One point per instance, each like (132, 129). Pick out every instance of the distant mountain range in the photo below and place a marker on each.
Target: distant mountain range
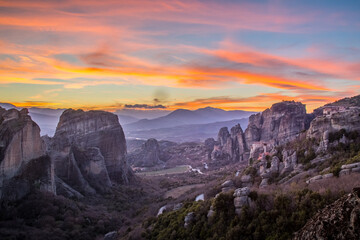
(186, 133)
(142, 114)
(187, 117)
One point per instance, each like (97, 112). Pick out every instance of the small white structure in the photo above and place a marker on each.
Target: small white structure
(200, 197)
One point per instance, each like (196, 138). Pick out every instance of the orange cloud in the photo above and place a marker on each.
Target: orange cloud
(255, 103)
(34, 104)
(238, 15)
(245, 54)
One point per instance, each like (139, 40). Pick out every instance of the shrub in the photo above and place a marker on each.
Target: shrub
(275, 217)
(335, 170)
(250, 171)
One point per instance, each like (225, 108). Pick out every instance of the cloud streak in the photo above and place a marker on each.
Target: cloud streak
(302, 51)
(145, 106)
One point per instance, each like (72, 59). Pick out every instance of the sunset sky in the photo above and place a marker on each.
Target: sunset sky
(178, 54)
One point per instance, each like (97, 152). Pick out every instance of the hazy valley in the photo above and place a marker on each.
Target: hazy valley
(87, 180)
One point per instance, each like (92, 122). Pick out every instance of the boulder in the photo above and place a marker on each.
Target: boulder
(241, 199)
(228, 183)
(189, 218)
(245, 191)
(227, 186)
(239, 202)
(352, 165)
(111, 235)
(177, 206)
(264, 183)
(246, 179)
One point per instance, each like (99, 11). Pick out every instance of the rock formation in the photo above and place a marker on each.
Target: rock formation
(23, 164)
(241, 199)
(89, 151)
(279, 124)
(148, 156)
(334, 119)
(340, 220)
(227, 186)
(229, 147)
(209, 147)
(272, 140)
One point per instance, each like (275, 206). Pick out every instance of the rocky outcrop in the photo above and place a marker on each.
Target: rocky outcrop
(148, 156)
(189, 219)
(227, 186)
(319, 177)
(279, 124)
(289, 160)
(89, 151)
(209, 147)
(334, 119)
(340, 220)
(241, 199)
(230, 147)
(23, 164)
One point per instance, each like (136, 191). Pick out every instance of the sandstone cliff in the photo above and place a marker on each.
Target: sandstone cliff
(23, 164)
(334, 118)
(89, 150)
(279, 124)
(229, 146)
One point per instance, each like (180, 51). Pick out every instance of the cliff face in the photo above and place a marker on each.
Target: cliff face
(89, 150)
(335, 118)
(20, 145)
(340, 220)
(279, 124)
(229, 146)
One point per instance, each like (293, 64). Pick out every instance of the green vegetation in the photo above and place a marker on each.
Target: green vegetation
(45, 216)
(175, 170)
(250, 171)
(272, 216)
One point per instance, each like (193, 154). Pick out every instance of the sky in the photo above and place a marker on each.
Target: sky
(165, 55)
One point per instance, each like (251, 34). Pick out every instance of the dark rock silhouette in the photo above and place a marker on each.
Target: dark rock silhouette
(148, 156)
(23, 162)
(89, 151)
